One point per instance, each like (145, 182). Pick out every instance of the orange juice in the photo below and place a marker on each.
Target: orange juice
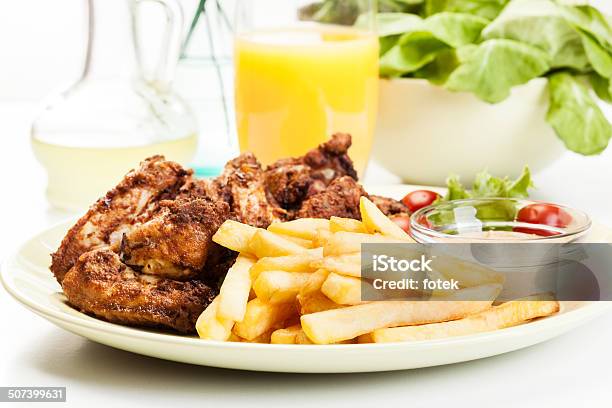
(295, 87)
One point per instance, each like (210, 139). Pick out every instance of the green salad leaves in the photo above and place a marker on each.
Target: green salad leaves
(487, 47)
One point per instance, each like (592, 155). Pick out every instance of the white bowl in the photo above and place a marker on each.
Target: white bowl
(425, 132)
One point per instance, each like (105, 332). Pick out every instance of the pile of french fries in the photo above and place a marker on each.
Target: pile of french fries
(299, 282)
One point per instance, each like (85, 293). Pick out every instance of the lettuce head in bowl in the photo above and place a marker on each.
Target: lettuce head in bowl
(487, 83)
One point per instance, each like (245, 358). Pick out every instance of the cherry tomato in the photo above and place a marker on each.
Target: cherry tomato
(419, 199)
(545, 214)
(403, 221)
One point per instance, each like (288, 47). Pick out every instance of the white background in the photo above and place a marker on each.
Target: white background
(39, 42)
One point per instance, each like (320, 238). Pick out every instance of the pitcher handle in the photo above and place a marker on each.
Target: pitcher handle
(170, 51)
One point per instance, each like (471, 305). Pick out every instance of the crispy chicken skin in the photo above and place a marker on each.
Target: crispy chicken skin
(242, 183)
(390, 206)
(114, 213)
(290, 181)
(100, 284)
(175, 243)
(340, 199)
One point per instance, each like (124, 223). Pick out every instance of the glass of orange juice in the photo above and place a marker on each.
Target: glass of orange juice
(304, 71)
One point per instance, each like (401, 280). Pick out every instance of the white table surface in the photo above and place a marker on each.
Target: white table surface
(573, 370)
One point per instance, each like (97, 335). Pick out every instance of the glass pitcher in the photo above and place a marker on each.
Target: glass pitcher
(120, 111)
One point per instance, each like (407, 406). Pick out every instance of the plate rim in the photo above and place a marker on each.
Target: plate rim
(583, 313)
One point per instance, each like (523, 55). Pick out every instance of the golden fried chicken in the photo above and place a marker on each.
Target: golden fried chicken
(291, 181)
(175, 242)
(100, 284)
(340, 199)
(112, 215)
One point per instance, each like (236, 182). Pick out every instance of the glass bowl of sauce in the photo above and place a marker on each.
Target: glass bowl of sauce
(498, 220)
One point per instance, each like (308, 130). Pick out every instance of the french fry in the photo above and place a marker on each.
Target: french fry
(310, 298)
(498, 317)
(302, 338)
(279, 286)
(234, 292)
(340, 243)
(346, 224)
(344, 290)
(337, 325)
(265, 243)
(321, 238)
(234, 338)
(290, 263)
(305, 228)
(468, 274)
(365, 338)
(261, 317)
(314, 282)
(376, 221)
(235, 236)
(264, 338)
(347, 264)
(286, 336)
(211, 327)
(315, 303)
(306, 243)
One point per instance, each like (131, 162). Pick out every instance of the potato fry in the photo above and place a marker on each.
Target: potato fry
(261, 317)
(376, 221)
(344, 290)
(347, 264)
(264, 338)
(468, 274)
(498, 317)
(289, 263)
(315, 303)
(346, 224)
(279, 286)
(265, 243)
(287, 335)
(302, 338)
(340, 243)
(211, 327)
(321, 239)
(336, 325)
(306, 243)
(235, 236)
(305, 228)
(234, 338)
(234, 293)
(314, 283)
(365, 338)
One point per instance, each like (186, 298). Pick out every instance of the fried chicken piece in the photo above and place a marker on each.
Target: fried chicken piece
(176, 242)
(242, 183)
(101, 285)
(113, 214)
(389, 206)
(340, 199)
(291, 181)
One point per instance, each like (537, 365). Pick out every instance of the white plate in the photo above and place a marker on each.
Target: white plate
(27, 279)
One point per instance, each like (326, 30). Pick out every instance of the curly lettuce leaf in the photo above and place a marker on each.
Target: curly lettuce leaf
(488, 9)
(455, 29)
(495, 66)
(540, 23)
(412, 51)
(575, 116)
(602, 86)
(590, 20)
(600, 59)
(438, 71)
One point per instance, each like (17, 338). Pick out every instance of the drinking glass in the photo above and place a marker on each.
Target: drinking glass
(304, 71)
